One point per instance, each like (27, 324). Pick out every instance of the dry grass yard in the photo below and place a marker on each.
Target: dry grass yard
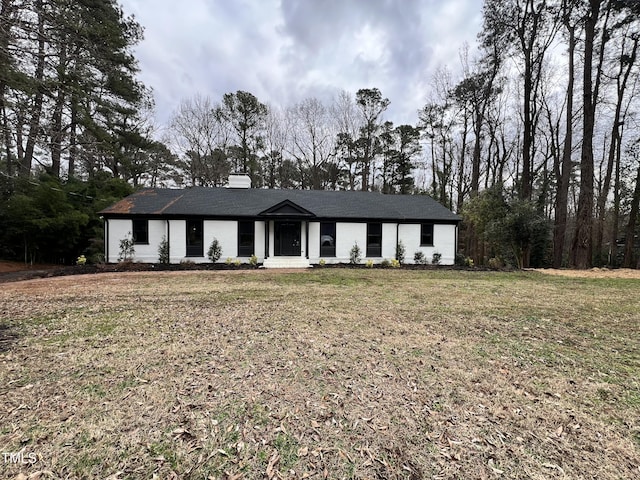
(328, 373)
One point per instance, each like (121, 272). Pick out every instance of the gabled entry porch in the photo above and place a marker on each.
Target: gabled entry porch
(286, 236)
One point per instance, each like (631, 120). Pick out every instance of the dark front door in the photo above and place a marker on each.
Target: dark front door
(288, 239)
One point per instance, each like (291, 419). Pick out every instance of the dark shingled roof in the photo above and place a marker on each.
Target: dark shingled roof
(238, 202)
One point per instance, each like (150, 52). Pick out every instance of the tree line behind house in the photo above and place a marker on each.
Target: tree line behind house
(534, 142)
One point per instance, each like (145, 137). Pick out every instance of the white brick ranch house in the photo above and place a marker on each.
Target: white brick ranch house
(280, 227)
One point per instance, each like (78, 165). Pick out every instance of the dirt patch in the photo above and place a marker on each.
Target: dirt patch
(7, 266)
(592, 273)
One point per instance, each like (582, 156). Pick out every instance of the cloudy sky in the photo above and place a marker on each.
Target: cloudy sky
(285, 50)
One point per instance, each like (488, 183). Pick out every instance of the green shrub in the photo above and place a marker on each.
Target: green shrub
(495, 263)
(400, 251)
(253, 260)
(97, 258)
(395, 263)
(163, 251)
(419, 258)
(369, 263)
(385, 263)
(435, 258)
(355, 254)
(322, 262)
(215, 251)
(463, 261)
(127, 249)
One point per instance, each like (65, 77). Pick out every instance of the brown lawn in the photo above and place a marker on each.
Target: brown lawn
(320, 374)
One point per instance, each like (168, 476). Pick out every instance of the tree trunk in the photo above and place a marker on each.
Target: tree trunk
(366, 161)
(527, 138)
(616, 140)
(5, 14)
(36, 110)
(631, 225)
(57, 134)
(475, 159)
(443, 180)
(73, 147)
(563, 172)
(434, 168)
(582, 246)
(463, 155)
(8, 144)
(613, 245)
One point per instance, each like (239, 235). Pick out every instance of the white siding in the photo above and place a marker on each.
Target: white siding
(389, 240)
(347, 234)
(259, 242)
(177, 240)
(303, 240)
(226, 232)
(410, 236)
(118, 230)
(149, 253)
(314, 241)
(444, 239)
(444, 242)
(272, 239)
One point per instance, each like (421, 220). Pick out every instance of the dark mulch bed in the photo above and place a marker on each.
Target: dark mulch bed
(158, 267)
(114, 267)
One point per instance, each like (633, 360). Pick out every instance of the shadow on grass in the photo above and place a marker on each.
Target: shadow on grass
(8, 337)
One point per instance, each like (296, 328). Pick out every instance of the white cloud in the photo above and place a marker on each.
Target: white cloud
(283, 51)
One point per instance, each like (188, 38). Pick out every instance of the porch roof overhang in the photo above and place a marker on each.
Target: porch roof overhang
(286, 210)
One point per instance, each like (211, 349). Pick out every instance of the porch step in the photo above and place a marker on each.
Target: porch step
(286, 262)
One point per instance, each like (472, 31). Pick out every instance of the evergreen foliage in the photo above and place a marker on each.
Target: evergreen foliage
(46, 220)
(163, 251)
(400, 251)
(127, 249)
(215, 251)
(355, 254)
(419, 258)
(510, 228)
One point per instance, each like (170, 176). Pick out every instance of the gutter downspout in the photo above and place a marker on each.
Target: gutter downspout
(106, 240)
(455, 250)
(169, 240)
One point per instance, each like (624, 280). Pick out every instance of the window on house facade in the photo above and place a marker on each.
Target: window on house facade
(195, 241)
(374, 239)
(426, 235)
(140, 231)
(328, 239)
(246, 239)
